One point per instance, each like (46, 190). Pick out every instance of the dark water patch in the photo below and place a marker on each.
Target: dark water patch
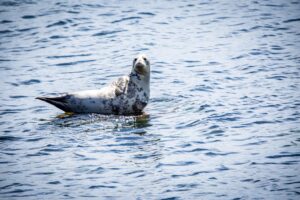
(277, 77)
(95, 5)
(9, 3)
(74, 63)
(58, 149)
(276, 47)
(287, 163)
(107, 14)
(59, 23)
(102, 186)
(68, 56)
(5, 31)
(17, 191)
(206, 14)
(10, 186)
(26, 29)
(5, 21)
(17, 96)
(134, 172)
(42, 173)
(103, 33)
(170, 198)
(58, 37)
(191, 61)
(35, 139)
(292, 20)
(11, 111)
(125, 19)
(37, 154)
(146, 13)
(54, 182)
(73, 12)
(250, 180)
(284, 155)
(30, 82)
(255, 143)
(202, 88)
(28, 17)
(213, 154)
(229, 117)
(191, 150)
(4, 138)
(98, 170)
(216, 132)
(179, 163)
(189, 124)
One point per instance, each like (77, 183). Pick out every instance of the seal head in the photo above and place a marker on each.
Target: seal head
(141, 65)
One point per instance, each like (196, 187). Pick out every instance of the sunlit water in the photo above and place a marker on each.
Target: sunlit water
(222, 123)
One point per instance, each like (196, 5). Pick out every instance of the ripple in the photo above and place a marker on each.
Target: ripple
(59, 23)
(4, 138)
(125, 19)
(103, 33)
(28, 17)
(30, 82)
(292, 20)
(5, 32)
(284, 155)
(74, 63)
(68, 56)
(5, 21)
(146, 13)
(102, 186)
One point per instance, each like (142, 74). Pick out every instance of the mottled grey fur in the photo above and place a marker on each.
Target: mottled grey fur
(127, 95)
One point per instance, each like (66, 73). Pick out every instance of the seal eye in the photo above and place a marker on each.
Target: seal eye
(134, 60)
(145, 59)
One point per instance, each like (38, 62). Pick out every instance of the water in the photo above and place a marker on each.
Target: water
(223, 121)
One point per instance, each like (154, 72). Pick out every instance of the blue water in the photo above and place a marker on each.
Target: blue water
(222, 123)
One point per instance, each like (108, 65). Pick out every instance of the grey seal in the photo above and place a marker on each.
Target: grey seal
(128, 95)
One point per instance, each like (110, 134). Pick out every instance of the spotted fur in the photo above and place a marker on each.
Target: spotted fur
(127, 95)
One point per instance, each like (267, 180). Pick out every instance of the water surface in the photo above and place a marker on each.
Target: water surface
(223, 121)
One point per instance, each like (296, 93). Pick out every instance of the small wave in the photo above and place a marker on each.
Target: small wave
(59, 23)
(102, 186)
(125, 19)
(292, 20)
(5, 21)
(284, 155)
(26, 29)
(30, 82)
(57, 37)
(146, 13)
(68, 56)
(17, 96)
(5, 31)
(28, 17)
(102, 33)
(54, 182)
(74, 63)
(8, 138)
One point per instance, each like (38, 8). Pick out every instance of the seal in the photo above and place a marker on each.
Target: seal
(128, 95)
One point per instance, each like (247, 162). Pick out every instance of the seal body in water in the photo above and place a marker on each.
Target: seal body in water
(128, 95)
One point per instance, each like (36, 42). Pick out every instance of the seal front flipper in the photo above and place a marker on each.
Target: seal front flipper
(60, 102)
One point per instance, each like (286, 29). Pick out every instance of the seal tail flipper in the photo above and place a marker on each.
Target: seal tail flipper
(59, 102)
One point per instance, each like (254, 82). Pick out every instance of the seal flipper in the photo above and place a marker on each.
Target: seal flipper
(59, 102)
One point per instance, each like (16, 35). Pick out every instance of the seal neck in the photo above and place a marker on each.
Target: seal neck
(141, 80)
